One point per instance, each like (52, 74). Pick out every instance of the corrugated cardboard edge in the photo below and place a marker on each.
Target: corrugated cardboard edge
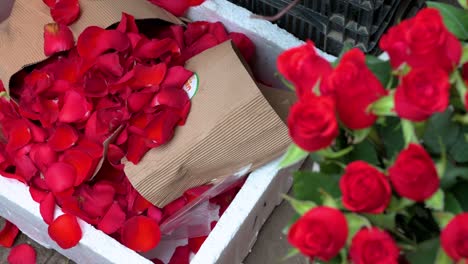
(21, 35)
(250, 134)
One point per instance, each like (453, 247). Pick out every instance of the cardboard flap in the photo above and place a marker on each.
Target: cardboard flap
(230, 126)
(280, 100)
(21, 35)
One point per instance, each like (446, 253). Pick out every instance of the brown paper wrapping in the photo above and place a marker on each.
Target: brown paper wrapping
(231, 125)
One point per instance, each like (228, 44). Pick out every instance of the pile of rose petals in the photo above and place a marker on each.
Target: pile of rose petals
(74, 117)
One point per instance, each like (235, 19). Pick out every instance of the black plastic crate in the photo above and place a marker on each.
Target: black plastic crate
(331, 23)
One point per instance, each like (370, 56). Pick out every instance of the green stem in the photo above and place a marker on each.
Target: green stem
(460, 85)
(409, 132)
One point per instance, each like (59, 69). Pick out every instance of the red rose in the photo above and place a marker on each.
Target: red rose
(365, 189)
(422, 92)
(319, 233)
(422, 41)
(312, 122)
(454, 237)
(304, 67)
(355, 88)
(413, 175)
(372, 245)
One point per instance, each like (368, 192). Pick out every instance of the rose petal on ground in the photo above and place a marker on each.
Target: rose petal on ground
(127, 24)
(75, 107)
(36, 194)
(22, 254)
(47, 208)
(64, 137)
(113, 220)
(82, 162)
(8, 234)
(141, 233)
(146, 76)
(57, 38)
(155, 213)
(19, 135)
(110, 63)
(65, 231)
(176, 77)
(138, 100)
(65, 11)
(136, 148)
(94, 41)
(60, 176)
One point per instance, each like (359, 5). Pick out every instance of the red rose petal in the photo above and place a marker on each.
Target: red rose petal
(64, 137)
(22, 254)
(8, 234)
(113, 220)
(171, 97)
(161, 129)
(60, 176)
(75, 107)
(43, 155)
(218, 31)
(19, 135)
(115, 154)
(181, 255)
(195, 243)
(49, 110)
(38, 133)
(110, 63)
(93, 149)
(36, 194)
(66, 231)
(196, 2)
(13, 176)
(174, 206)
(94, 41)
(57, 38)
(140, 204)
(176, 77)
(194, 193)
(141, 233)
(49, 3)
(47, 208)
(136, 148)
(127, 24)
(138, 101)
(95, 86)
(155, 213)
(146, 76)
(153, 49)
(25, 167)
(65, 11)
(82, 162)
(97, 200)
(70, 205)
(244, 44)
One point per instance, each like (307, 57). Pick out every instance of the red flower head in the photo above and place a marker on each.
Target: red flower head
(422, 92)
(319, 233)
(454, 237)
(365, 189)
(413, 175)
(422, 41)
(312, 122)
(372, 245)
(355, 87)
(304, 68)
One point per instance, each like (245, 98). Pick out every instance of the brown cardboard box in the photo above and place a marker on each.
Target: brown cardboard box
(231, 125)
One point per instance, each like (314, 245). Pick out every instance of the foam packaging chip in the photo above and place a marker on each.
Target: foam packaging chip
(236, 231)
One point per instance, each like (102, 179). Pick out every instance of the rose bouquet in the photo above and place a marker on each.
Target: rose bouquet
(390, 137)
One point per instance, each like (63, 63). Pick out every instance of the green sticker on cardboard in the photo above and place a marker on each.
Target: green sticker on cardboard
(191, 86)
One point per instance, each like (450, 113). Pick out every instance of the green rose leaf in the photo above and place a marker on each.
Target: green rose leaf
(381, 69)
(458, 150)
(355, 223)
(426, 252)
(443, 218)
(436, 202)
(455, 19)
(301, 207)
(463, 3)
(310, 186)
(293, 155)
(384, 221)
(360, 135)
(452, 205)
(391, 136)
(440, 126)
(291, 253)
(442, 258)
(384, 106)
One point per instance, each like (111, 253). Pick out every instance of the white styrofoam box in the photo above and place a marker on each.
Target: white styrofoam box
(236, 231)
